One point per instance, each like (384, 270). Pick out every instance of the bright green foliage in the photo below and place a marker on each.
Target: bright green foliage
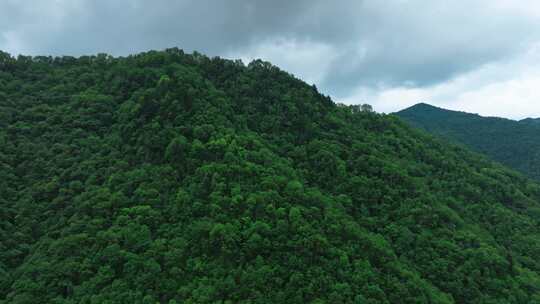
(172, 178)
(515, 144)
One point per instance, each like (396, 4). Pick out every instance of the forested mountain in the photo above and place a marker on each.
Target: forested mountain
(513, 143)
(530, 120)
(167, 177)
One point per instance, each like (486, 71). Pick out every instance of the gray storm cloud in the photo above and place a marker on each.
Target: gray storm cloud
(341, 45)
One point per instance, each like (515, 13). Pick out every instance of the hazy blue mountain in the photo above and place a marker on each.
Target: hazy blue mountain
(530, 120)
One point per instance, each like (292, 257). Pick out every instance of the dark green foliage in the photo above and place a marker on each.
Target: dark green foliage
(515, 144)
(172, 178)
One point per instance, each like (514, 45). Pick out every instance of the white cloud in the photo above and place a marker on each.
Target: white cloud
(308, 60)
(473, 55)
(504, 89)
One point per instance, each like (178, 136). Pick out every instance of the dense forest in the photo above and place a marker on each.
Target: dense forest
(167, 177)
(513, 143)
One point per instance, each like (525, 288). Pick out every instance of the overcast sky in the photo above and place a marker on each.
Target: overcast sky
(480, 56)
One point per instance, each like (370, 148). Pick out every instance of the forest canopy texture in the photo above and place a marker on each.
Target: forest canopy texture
(167, 177)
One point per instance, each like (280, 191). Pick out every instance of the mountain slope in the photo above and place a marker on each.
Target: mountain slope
(513, 143)
(530, 121)
(173, 178)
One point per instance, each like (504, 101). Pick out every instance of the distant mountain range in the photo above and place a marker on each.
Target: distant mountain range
(513, 143)
(531, 120)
